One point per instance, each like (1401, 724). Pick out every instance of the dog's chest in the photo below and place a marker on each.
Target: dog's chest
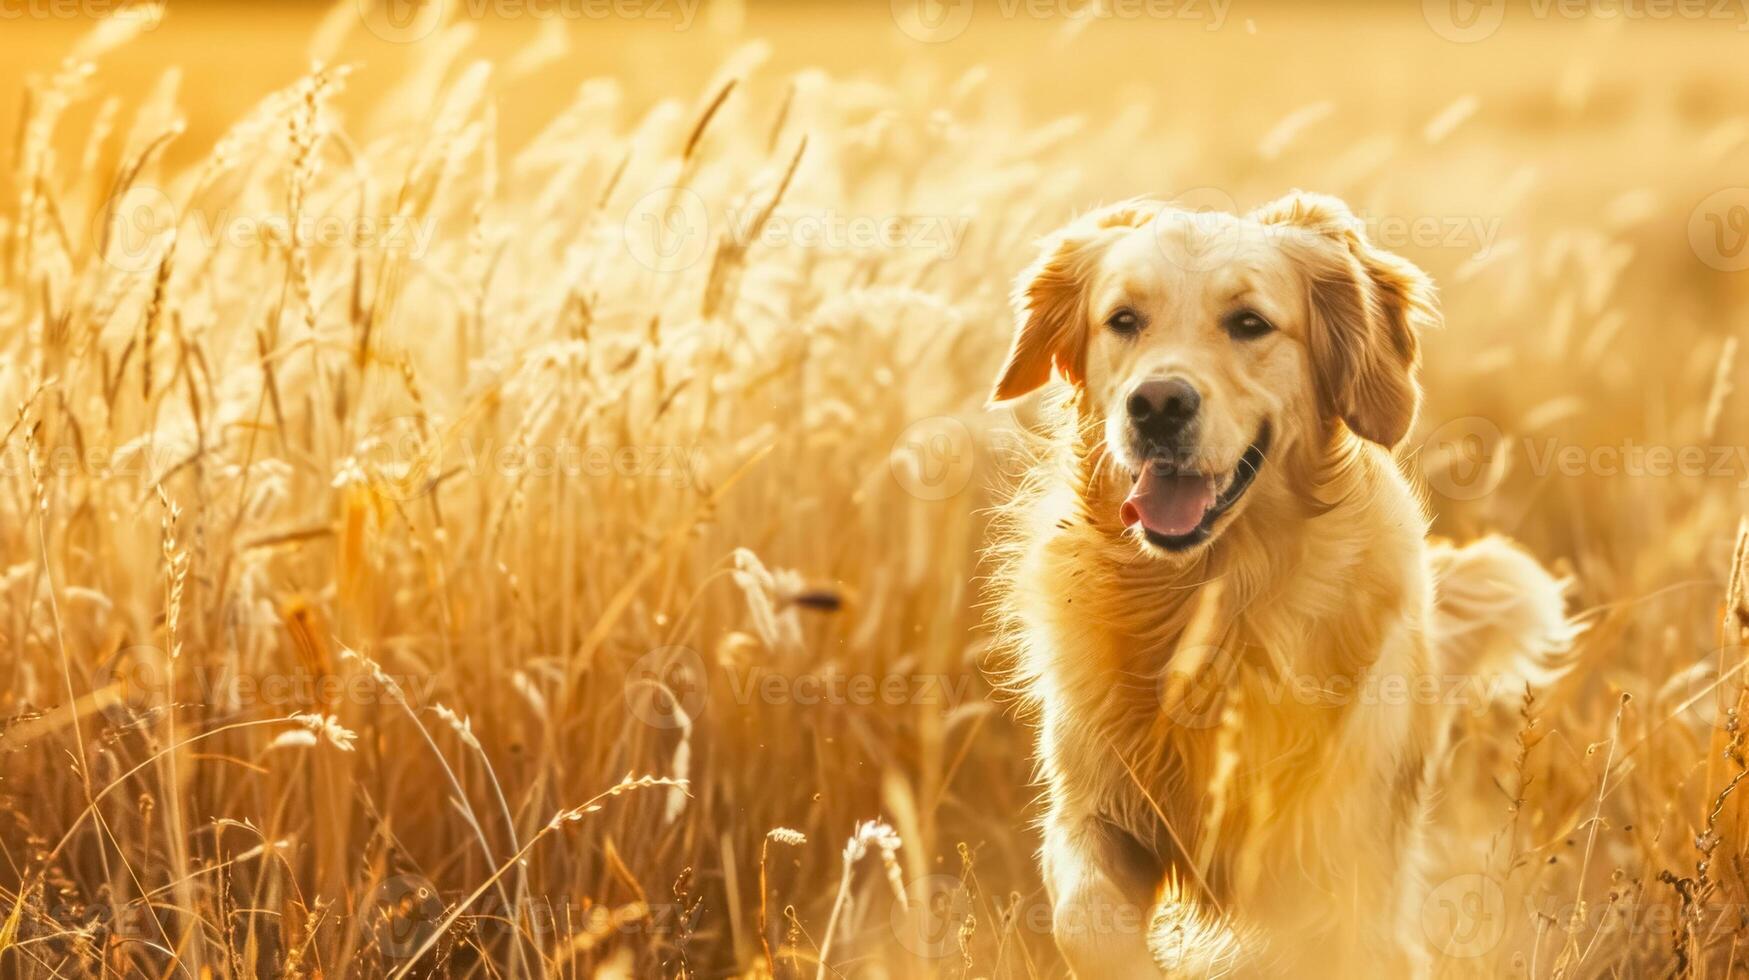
(1231, 757)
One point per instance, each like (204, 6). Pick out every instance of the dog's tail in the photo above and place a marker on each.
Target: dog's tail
(1499, 617)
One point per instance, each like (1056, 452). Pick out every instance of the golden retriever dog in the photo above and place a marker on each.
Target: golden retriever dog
(1221, 599)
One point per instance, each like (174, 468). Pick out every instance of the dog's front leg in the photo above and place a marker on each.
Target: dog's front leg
(1099, 900)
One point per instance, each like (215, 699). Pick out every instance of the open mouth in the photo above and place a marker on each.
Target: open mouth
(1176, 508)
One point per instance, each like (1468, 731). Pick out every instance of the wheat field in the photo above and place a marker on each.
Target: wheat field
(502, 490)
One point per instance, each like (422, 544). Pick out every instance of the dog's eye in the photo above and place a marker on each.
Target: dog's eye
(1124, 321)
(1246, 325)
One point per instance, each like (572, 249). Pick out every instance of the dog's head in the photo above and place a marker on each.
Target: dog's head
(1205, 346)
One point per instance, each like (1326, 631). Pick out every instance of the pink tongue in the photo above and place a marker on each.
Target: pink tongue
(1167, 505)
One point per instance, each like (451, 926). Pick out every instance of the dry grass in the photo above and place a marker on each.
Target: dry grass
(451, 599)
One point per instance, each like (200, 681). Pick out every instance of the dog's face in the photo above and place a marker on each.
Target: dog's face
(1194, 364)
(1205, 345)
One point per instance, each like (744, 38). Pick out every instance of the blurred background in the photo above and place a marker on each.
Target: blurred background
(500, 487)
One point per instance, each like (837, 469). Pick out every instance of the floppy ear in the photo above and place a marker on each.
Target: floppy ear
(1050, 302)
(1368, 308)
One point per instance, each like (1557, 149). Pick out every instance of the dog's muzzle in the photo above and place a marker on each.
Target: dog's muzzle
(1175, 505)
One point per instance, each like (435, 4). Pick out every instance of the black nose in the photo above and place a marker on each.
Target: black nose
(1163, 406)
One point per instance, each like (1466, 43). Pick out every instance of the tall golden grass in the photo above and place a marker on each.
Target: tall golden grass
(461, 523)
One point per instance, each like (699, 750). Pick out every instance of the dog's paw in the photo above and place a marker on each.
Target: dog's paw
(1187, 940)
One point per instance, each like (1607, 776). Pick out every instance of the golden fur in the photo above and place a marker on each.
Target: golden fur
(1235, 781)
